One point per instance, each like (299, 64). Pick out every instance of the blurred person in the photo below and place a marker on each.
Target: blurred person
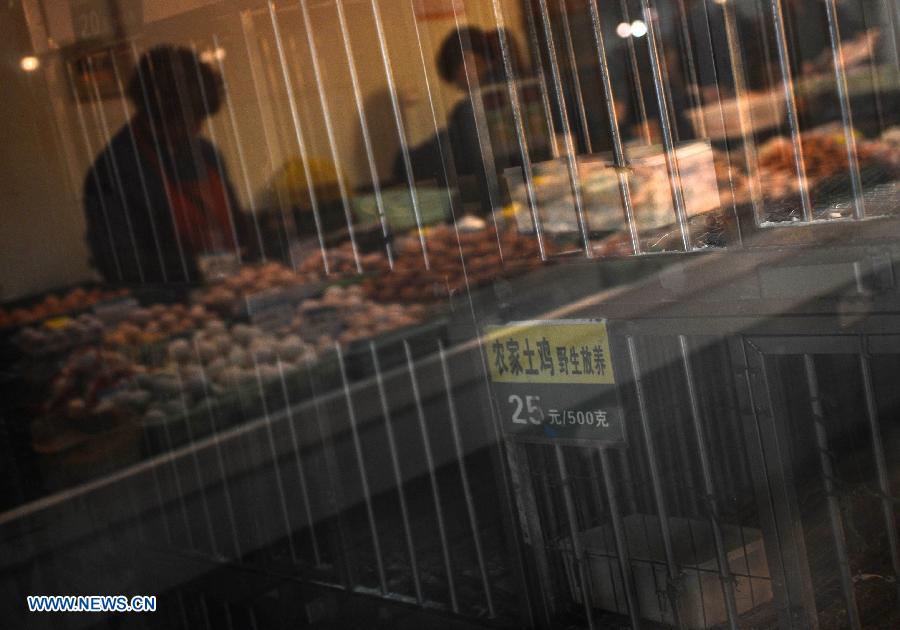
(464, 48)
(502, 43)
(158, 198)
(480, 138)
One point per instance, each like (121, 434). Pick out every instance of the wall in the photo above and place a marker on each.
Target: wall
(41, 231)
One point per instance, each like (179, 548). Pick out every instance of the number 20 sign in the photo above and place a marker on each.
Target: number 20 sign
(553, 381)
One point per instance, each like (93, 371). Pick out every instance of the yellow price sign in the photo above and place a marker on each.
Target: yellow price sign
(552, 352)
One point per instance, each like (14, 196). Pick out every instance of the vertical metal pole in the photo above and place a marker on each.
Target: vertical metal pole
(522, 480)
(272, 120)
(145, 94)
(725, 577)
(748, 143)
(304, 489)
(576, 80)
(577, 550)
(401, 131)
(542, 78)
(687, 51)
(97, 108)
(771, 469)
(665, 122)
(636, 72)
(120, 87)
(273, 449)
(840, 76)
(220, 167)
(432, 476)
(329, 126)
(834, 506)
(361, 465)
(247, 23)
(220, 460)
(621, 163)
(464, 479)
(674, 576)
(82, 123)
(364, 128)
(884, 482)
(176, 476)
(615, 514)
(398, 475)
(515, 103)
(195, 459)
(571, 160)
(482, 131)
(335, 497)
(790, 99)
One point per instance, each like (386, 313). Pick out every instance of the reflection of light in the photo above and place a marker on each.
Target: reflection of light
(623, 30)
(30, 63)
(720, 1)
(212, 55)
(638, 28)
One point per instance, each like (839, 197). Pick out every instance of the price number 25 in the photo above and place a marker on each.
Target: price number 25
(527, 410)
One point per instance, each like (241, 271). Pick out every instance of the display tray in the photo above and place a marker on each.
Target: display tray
(69, 456)
(256, 398)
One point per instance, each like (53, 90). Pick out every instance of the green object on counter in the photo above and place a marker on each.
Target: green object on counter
(433, 203)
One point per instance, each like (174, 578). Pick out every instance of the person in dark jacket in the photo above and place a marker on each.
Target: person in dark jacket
(158, 197)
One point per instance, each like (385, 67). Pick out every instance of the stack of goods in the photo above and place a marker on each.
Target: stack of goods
(147, 326)
(215, 362)
(342, 261)
(824, 159)
(59, 335)
(410, 281)
(83, 393)
(887, 148)
(344, 315)
(97, 386)
(56, 305)
(228, 296)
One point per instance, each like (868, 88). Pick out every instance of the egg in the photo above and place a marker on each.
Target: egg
(207, 351)
(230, 376)
(263, 351)
(223, 344)
(215, 367)
(291, 347)
(238, 356)
(242, 333)
(180, 351)
(269, 373)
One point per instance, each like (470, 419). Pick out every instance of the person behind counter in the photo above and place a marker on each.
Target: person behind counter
(472, 60)
(158, 197)
(465, 48)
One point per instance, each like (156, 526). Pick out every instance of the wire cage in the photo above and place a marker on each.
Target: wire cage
(716, 180)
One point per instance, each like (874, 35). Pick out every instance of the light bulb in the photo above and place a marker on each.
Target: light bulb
(623, 30)
(213, 55)
(638, 28)
(29, 63)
